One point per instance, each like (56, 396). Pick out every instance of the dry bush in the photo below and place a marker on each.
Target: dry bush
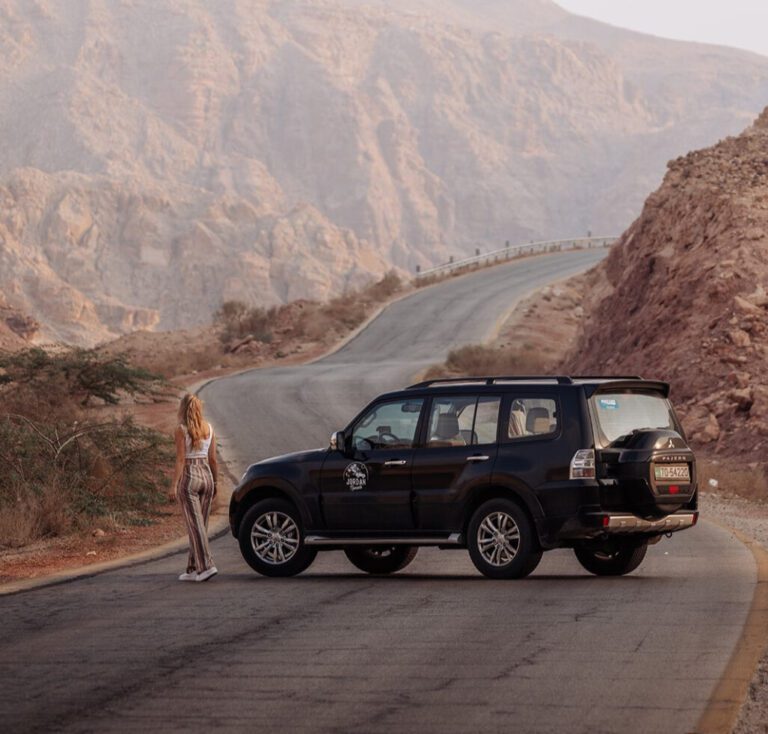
(60, 477)
(321, 321)
(63, 466)
(385, 288)
(734, 479)
(315, 324)
(31, 517)
(236, 320)
(478, 360)
(348, 310)
(171, 363)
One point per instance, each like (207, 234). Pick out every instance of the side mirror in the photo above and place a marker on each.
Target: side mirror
(338, 441)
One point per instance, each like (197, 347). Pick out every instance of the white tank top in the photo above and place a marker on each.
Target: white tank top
(202, 452)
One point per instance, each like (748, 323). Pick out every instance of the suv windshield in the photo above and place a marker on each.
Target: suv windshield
(619, 414)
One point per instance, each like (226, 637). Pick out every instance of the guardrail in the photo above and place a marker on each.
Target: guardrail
(512, 251)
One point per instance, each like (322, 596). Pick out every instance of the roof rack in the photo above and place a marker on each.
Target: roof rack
(560, 379)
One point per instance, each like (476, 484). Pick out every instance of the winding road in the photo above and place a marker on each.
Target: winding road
(436, 648)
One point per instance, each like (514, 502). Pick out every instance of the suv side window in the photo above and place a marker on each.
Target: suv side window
(532, 417)
(389, 425)
(463, 420)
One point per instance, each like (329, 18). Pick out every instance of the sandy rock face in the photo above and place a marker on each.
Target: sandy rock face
(160, 156)
(688, 300)
(17, 329)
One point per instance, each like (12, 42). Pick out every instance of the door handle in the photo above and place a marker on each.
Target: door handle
(395, 462)
(477, 457)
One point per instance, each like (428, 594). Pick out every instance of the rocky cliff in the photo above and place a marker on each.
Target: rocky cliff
(160, 156)
(684, 295)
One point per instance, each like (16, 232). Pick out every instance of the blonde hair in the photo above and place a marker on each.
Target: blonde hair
(191, 417)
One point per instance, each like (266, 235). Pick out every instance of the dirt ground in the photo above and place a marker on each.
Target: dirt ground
(59, 554)
(546, 322)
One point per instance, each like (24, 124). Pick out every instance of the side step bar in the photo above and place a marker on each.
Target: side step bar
(453, 539)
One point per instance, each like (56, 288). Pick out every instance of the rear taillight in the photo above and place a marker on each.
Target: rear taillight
(583, 464)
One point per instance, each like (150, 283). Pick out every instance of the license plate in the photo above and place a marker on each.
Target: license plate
(672, 473)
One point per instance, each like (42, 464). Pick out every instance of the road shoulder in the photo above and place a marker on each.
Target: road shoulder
(739, 702)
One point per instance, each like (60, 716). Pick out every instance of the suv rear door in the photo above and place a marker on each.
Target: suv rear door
(458, 453)
(535, 452)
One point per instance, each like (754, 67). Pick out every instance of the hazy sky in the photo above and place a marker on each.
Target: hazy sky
(740, 23)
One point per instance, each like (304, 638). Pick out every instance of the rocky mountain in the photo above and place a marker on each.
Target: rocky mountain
(160, 156)
(684, 295)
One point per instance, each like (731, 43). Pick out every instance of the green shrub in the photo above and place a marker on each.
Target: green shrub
(64, 464)
(78, 375)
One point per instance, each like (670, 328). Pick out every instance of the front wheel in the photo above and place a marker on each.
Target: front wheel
(272, 541)
(502, 541)
(615, 558)
(380, 559)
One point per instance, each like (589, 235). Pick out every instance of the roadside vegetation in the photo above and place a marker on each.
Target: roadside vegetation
(69, 459)
(244, 336)
(312, 320)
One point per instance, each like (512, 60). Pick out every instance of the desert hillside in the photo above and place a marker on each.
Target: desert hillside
(684, 295)
(161, 156)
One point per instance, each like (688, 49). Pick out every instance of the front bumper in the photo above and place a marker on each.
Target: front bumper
(627, 524)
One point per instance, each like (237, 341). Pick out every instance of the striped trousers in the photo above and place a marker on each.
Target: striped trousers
(196, 496)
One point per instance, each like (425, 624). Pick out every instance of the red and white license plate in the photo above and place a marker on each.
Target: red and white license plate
(673, 473)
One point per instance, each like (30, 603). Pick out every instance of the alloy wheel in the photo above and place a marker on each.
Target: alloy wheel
(275, 538)
(498, 539)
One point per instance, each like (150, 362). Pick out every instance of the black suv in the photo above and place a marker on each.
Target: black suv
(506, 467)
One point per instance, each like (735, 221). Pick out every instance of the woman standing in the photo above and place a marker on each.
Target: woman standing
(194, 482)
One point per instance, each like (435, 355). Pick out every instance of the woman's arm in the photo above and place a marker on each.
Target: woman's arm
(212, 462)
(178, 468)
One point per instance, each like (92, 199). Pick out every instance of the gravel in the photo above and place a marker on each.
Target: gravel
(751, 518)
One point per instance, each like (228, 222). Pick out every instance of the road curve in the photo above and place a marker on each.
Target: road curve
(436, 648)
(265, 412)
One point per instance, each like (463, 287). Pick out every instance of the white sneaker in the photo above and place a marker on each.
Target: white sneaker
(205, 575)
(188, 576)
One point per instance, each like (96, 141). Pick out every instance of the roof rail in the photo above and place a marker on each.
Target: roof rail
(561, 380)
(607, 377)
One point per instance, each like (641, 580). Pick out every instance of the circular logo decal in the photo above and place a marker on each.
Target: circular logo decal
(356, 476)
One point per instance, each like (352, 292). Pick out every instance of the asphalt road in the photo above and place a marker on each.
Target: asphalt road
(436, 648)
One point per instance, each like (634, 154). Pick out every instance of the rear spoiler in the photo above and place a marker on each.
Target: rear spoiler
(628, 385)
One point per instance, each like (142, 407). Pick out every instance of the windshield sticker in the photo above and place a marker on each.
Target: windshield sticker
(356, 476)
(609, 403)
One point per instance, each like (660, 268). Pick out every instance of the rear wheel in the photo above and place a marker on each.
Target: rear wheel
(272, 540)
(613, 558)
(380, 559)
(502, 541)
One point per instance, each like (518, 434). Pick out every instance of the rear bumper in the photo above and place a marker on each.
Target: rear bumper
(626, 523)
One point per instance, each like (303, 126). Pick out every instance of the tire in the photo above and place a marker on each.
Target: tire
(380, 559)
(516, 554)
(616, 559)
(262, 551)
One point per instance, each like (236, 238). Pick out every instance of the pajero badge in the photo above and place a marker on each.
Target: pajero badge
(356, 476)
